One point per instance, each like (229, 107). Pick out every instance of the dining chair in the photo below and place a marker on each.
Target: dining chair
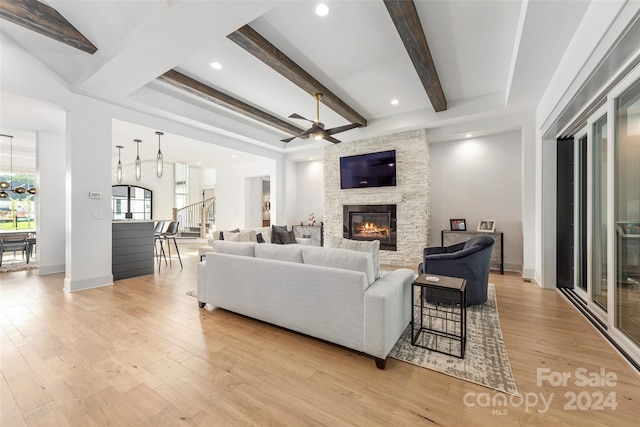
(15, 243)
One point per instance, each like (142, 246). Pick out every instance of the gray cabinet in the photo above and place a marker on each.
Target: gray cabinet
(132, 249)
(448, 238)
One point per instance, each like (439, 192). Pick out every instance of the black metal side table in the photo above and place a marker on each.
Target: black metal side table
(439, 314)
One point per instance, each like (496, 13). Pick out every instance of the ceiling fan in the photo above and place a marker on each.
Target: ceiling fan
(317, 129)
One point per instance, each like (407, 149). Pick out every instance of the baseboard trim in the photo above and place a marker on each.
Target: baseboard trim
(43, 270)
(81, 285)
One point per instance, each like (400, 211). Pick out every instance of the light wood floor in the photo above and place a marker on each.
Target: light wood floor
(142, 353)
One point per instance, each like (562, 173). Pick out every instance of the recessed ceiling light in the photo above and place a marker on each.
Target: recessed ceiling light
(310, 158)
(233, 156)
(322, 9)
(216, 65)
(395, 102)
(468, 135)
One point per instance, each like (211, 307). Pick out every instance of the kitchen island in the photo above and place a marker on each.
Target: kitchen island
(132, 248)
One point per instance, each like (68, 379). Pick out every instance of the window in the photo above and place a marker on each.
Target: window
(18, 211)
(181, 185)
(131, 202)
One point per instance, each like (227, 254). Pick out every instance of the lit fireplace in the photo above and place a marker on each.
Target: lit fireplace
(371, 222)
(370, 226)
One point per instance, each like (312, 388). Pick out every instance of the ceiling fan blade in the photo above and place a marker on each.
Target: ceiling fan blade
(339, 129)
(303, 135)
(298, 116)
(331, 139)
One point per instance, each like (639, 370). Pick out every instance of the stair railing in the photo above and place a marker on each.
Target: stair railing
(199, 215)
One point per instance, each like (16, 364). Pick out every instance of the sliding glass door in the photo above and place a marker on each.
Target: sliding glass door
(626, 207)
(598, 210)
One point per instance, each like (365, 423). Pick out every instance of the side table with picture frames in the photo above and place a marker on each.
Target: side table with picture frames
(439, 314)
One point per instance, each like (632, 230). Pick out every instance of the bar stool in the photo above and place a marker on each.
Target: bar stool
(170, 233)
(157, 232)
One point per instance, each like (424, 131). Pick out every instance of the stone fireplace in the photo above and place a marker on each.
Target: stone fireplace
(408, 226)
(371, 222)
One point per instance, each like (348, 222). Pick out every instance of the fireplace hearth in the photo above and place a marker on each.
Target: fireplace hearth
(371, 222)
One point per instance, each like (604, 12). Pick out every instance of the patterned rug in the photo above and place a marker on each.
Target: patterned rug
(485, 362)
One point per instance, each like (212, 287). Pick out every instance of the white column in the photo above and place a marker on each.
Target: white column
(88, 224)
(50, 202)
(528, 154)
(548, 227)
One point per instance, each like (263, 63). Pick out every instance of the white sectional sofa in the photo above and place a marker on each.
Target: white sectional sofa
(327, 293)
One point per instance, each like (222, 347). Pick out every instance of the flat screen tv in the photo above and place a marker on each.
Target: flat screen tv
(368, 170)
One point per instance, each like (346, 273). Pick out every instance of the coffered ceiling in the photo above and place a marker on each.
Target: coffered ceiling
(491, 57)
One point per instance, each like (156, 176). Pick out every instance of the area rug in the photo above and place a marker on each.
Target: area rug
(485, 362)
(10, 266)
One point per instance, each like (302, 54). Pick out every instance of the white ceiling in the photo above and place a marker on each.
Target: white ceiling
(491, 56)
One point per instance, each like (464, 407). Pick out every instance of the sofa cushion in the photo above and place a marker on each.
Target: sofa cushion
(259, 238)
(234, 248)
(241, 236)
(340, 258)
(290, 253)
(373, 247)
(266, 233)
(221, 234)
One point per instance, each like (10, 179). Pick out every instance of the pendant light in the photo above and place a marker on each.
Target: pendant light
(159, 161)
(119, 168)
(31, 190)
(4, 185)
(138, 161)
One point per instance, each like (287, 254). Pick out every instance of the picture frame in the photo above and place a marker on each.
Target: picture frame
(487, 225)
(458, 224)
(628, 228)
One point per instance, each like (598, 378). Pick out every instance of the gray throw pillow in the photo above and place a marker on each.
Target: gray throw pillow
(280, 235)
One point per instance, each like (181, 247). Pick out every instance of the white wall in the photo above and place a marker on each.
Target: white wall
(309, 191)
(479, 178)
(253, 202)
(50, 215)
(233, 189)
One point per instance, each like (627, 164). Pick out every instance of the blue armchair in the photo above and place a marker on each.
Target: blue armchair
(469, 260)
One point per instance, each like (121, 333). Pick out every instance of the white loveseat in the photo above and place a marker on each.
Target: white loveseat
(327, 293)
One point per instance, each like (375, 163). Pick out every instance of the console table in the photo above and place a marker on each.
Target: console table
(448, 238)
(313, 232)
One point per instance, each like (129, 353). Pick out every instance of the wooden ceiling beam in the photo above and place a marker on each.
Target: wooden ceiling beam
(250, 40)
(44, 19)
(186, 83)
(406, 20)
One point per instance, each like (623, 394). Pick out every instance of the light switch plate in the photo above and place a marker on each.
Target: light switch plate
(95, 195)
